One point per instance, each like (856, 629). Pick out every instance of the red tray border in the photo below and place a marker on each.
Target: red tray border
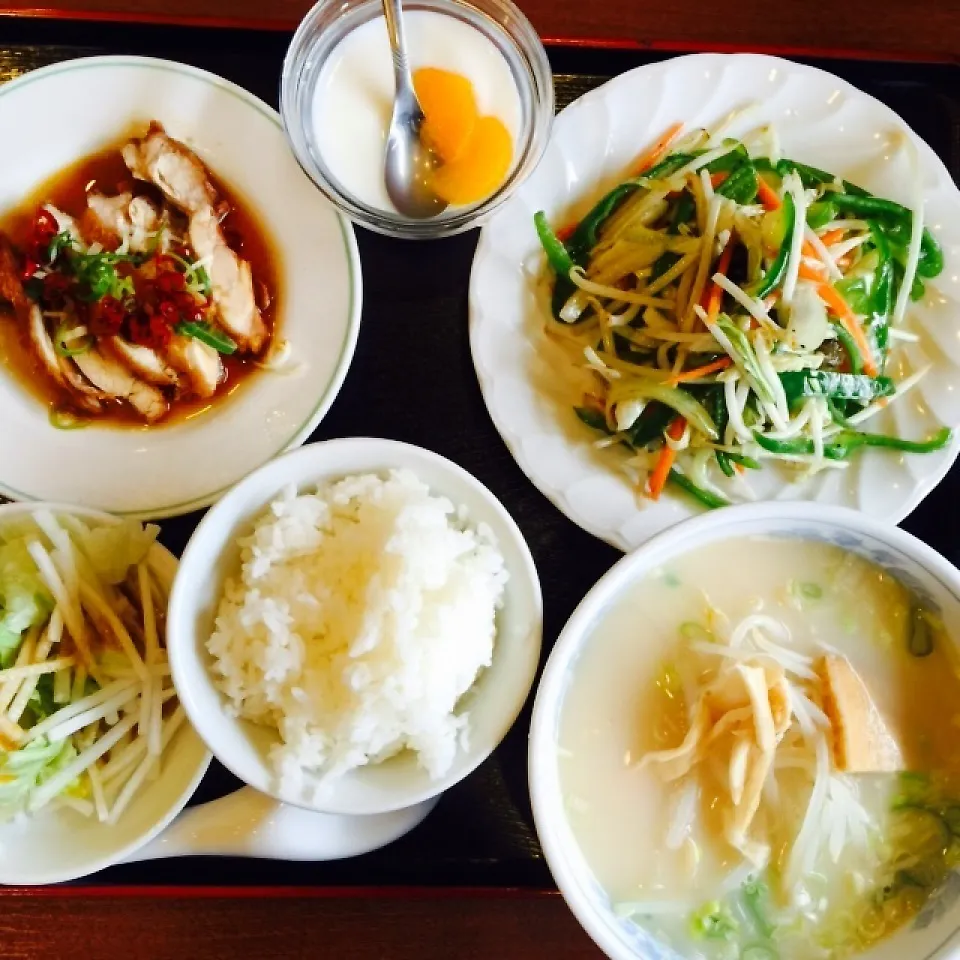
(194, 892)
(602, 43)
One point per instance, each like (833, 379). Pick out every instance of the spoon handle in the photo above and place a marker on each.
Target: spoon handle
(393, 14)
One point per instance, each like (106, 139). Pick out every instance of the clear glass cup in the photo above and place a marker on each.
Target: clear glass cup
(499, 20)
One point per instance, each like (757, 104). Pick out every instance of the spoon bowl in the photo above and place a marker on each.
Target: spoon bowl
(408, 161)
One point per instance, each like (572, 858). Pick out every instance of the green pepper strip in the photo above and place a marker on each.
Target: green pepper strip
(747, 462)
(584, 238)
(850, 346)
(705, 497)
(667, 166)
(848, 441)
(741, 185)
(656, 417)
(774, 276)
(931, 253)
(557, 255)
(820, 213)
(592, 418)
(717, 405)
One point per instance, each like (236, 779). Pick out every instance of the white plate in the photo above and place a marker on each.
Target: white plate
(60, 844)
(823, 121)
(61, 113)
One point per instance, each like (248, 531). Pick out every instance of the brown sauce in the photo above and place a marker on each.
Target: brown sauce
(67, 191)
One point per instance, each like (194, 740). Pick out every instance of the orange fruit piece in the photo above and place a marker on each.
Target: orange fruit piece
(449, 108)
(482, 167)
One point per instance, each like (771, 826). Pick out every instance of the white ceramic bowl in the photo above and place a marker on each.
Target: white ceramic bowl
(935, 933)
(212, 555)
(58, 845)
(69, 110)
(822, 120)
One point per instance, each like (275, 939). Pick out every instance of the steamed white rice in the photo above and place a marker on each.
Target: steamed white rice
(362, 614)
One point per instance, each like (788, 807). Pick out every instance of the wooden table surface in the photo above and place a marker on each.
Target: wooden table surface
(98, 924)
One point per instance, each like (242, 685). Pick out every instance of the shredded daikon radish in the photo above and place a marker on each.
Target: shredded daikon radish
(95, 602)
(96, 788)
(51, 635)
(826, 256)
(703, 268)
(792, 183)
(63, 778)
(69, 605)
(754, 307)
(79, 707)
(103, 711)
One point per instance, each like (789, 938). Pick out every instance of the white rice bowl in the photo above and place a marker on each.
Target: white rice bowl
(361, 616)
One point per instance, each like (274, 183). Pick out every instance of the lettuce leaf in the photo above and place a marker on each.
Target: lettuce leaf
(24, 600)
(113, 549)
(24, 769)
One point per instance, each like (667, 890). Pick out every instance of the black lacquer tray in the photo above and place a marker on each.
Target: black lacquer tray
(412, 379)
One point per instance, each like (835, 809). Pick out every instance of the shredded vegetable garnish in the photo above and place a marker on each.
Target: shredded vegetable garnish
(750, 297)
(87, 708)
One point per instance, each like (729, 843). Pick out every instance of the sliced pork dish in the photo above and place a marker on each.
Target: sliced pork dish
(135, 286)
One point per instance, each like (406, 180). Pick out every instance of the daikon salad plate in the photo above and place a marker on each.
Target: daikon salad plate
(819, 121)
(161, 465)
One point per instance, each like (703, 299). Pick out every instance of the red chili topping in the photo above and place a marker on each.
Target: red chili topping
(45, 227)
(170, 281)
(169, 311)
(55, 287)
(150, 331)
(30, 267)
(106, 317)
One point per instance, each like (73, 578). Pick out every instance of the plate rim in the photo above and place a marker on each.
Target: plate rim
(347, 233)
(924, 486)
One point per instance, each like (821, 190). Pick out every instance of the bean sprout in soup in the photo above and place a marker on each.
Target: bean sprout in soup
(758, 752)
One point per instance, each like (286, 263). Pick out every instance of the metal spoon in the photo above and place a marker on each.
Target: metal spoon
(408, 161)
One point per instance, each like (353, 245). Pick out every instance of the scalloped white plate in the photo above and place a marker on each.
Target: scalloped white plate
(64, 112)
(822, 120)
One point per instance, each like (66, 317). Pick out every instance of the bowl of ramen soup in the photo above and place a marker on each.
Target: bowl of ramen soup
(746, 744)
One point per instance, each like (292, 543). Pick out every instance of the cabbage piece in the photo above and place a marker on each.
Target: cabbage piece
(24, 769)
(113, 549)
(24, 600)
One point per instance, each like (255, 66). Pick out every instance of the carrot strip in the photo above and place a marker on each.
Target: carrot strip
(767, 195)
(565, 233)
(816, 272)
(719, 364)
(717, 178)
(716, 291)
(650, 157)
(660, 472)
(832, 236)
(838, 306)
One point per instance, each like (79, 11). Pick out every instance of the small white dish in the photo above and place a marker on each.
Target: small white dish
(822, 120)
(64, 112)
(935, 933)
(212, 555)
(57, 845)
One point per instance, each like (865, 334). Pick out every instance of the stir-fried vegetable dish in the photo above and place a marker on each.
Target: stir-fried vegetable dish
(132, 292)
(87, 707)
(733, 307)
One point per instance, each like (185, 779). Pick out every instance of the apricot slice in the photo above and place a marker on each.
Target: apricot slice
(481, 168)
(449, 108)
